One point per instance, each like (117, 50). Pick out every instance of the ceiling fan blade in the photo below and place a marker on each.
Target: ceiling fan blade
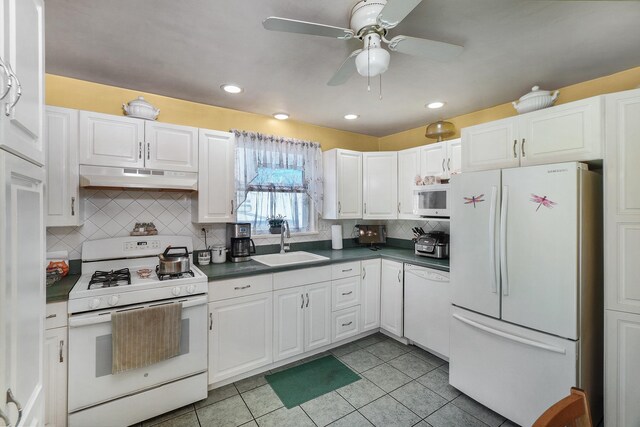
(431, 49)
(273, 23)
(345, 71)
(395, 11)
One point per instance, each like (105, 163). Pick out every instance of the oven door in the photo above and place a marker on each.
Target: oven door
(431, 200)
(90, 378)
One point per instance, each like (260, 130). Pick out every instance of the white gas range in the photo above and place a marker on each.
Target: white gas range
(120, 274)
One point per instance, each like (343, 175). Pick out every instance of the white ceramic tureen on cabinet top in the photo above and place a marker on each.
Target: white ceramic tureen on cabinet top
(141, 109)
(535, 100)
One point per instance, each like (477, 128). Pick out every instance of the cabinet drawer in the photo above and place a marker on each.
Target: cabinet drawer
(223, 289)
(347, 269)
(345, 323)
(56, 315)
(303, 276)
(345, 293)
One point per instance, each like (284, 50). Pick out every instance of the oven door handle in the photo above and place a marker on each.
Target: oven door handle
(105, 317)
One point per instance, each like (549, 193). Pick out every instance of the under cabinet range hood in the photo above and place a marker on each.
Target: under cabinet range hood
(115, 177)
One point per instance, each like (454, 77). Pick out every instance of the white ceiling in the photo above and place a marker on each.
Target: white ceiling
(186, 49)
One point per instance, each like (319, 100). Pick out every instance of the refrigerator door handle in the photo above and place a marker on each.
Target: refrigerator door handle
(492, 240)
(511, 337)
(503, 241)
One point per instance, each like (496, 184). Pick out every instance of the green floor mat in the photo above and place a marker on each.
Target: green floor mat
(302, 383)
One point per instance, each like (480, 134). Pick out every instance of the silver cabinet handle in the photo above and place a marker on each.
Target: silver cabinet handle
(11, 399)
(148, 150)
(449, 164)
(365, 208)
(5, 70)
(515, 144)
(237, 288)
(307, 300)
(347, 324)
(348, 269)
(4, 418)
(10, 107)
(398, 207)
(522, 148)
(51, 316)
(211, 321)
(231, 207)
(73, 206)
(339, 207)
(442, 164)
(347, 293)
(61, 350)
(140, 149)
(302, 302)
(364, 273)
(399, 279)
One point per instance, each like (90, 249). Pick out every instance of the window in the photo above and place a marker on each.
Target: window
(277, 176)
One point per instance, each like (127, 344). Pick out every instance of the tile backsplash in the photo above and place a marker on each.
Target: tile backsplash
(113, 213)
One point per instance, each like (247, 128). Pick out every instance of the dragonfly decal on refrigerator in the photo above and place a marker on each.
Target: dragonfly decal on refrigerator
(542, 201)
(474, 200)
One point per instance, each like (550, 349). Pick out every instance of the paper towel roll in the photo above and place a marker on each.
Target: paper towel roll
(336, 237)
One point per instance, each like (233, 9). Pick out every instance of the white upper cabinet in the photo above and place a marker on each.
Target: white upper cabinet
(380, 185)
(215, 200)
(454, 156)
(171, 147)
(433, 160)
(108, 140)
(61, 139)
(492, 145)
(566, 132)
(408, 169)
(22, 54)
(342, 184)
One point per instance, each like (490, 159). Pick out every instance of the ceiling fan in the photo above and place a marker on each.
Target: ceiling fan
(370, 21)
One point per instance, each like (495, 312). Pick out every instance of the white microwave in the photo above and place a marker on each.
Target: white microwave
(431, 200)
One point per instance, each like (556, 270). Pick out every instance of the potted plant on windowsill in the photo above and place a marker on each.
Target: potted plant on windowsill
(275, 223)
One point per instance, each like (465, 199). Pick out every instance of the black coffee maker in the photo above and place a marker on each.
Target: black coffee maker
(239, 243)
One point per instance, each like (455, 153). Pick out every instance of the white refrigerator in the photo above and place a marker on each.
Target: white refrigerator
(526, 282)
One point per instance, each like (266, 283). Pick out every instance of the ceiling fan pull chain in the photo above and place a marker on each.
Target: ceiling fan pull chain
(368, 64)
(380, 87)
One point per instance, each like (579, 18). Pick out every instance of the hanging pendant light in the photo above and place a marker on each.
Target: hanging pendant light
(440, 130)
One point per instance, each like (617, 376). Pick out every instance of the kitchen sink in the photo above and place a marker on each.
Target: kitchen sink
(289, 258)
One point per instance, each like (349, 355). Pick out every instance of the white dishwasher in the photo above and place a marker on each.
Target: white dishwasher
(427, 308)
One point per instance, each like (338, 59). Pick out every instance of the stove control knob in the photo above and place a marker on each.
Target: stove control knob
(175, 291)
(94, 303)
(113, 300)
(191, 289)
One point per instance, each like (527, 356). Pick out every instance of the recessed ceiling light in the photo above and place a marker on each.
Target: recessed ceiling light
(231, 88)
(435, 104)
(351, 116)
(281, 116)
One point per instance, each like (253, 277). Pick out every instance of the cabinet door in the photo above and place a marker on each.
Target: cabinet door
(22, 108)
(349, 179)
(55, 377)
(288, 323)
(491, 145)
(433, 160)
(215, 200)
(454, 154)
(22, 287)
(370, 294)
(240, 335)
(61, 138)
(171, 147)
(622, 204)
(380, 185)
(317, 316)
(107, 140)
(391, 297)
(622, 373)
(408, 169)
(568, 132)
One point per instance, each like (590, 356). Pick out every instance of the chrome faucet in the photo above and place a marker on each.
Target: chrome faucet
(284, 248)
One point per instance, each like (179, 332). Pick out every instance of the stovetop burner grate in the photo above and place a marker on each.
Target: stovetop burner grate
(173, 275)
(107, 279)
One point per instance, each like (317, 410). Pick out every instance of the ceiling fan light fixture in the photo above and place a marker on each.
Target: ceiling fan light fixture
(372, 62)
(435, 104)
(231, 88)
(351, 116)
(281, 116)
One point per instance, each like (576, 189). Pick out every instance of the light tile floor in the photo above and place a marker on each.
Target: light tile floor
(400, 386)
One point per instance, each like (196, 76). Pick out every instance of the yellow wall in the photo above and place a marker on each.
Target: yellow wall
(624, 80)
(84, 95)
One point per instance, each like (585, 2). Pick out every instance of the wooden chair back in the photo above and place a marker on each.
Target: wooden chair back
(572, 411)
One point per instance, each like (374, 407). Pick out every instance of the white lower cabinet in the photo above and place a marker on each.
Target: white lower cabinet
(391, 297)
(345, 323)
(302, 319)
(55, 376)
(240, 335)
(370, 294)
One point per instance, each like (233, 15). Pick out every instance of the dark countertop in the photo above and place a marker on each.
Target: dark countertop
(59, 291)
(230, 270)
